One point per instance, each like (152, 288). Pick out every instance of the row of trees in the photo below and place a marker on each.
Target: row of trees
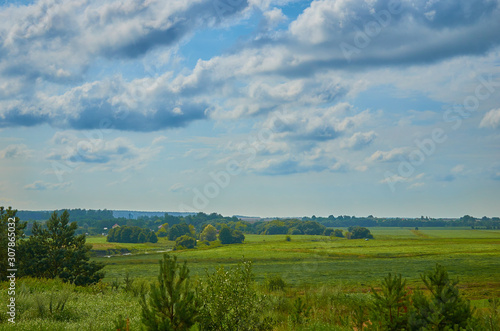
(131, 234)
(209, 234)
(291, 226)
(94, 221)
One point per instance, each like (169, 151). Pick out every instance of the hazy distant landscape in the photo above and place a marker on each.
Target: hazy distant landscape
(318, 273)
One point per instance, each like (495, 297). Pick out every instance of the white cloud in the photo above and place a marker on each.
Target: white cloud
(491, 119)
(15, 151)
(177, 187)
(458, 169)
(117, 154)
(274, 17)
(388, 156)
(358, 140)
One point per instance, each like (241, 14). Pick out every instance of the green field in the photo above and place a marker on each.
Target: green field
(471, 255)
(333, 277)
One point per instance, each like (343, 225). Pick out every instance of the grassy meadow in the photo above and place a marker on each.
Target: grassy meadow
(333, 275)
(471, 255)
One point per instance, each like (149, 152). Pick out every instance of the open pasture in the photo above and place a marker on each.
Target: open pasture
(471, 255)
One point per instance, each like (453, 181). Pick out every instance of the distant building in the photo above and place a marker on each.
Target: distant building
(115, 226)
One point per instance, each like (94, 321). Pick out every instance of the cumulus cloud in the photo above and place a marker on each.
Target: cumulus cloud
(140, 105)
(49, 46)
(15, 151)
(388, 156)
(117, 154)
(56, 40)
(294, 141)
(382, 31)
(359, 140)
(491, 119)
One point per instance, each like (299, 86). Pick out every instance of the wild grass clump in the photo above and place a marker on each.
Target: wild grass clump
(275, 283)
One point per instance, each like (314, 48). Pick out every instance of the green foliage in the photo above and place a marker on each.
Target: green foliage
(225, 235)
(338, 233)
(300, 311)
(293, 226)
(209, 233)
(121, 323)
(359, 317)
(131, 234)
(230, 236)
(445, 308)
(162, 232)
(178, 230)
(185, 241)
(359, 232)
(294, 231)
(128, 281)
(142, 238)
(53, 305)
(55, 251)
(390, 306)
(491, 319)
(171, 304)
(152, 238)
(229, 300)
(275, 283)
(328, 232)
(288, 238)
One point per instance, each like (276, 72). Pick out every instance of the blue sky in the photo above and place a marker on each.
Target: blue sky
(252, 107)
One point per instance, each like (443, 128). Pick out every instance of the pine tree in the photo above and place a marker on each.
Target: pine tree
(390, 306)
(445, 308)
(54, 251)
(172, 304)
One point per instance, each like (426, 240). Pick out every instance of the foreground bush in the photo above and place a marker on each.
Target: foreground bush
(230, 301)
(445, 308)
(171, 305)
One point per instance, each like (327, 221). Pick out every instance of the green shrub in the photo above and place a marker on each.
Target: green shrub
(338, 233)
(288, 238)
(128, 282)
(230, 301)
(275, 283)
(300, 311)
(328, 232)
(185, 241)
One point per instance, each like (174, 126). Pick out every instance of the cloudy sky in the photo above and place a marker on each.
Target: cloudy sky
(252, 107)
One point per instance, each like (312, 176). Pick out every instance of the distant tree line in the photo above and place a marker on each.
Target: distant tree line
(131, 234)
(96, 222)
